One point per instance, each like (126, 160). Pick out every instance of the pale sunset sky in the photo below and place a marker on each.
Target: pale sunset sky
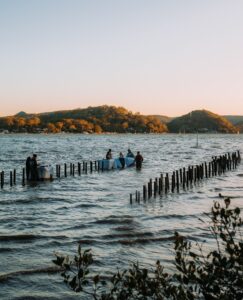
(163, 57)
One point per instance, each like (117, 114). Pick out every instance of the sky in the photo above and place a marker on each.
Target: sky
(164, 57)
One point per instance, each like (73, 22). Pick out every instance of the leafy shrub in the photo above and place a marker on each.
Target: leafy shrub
(217, 274)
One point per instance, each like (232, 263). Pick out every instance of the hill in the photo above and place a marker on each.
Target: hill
(239, 127)
(201, 121)
(163, 119)
(235, 120)
(92, 120)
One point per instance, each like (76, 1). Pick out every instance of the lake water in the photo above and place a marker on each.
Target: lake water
(94, 209)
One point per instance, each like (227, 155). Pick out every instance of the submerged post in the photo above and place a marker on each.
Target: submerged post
(11, 178)
(173, 182)
(144, 192)
(177, 181)
(65, 170)
(14, 176)
(23, 177)
(2, 179)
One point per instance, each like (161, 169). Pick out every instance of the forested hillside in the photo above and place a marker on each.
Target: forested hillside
(92, 120)
(201, 121)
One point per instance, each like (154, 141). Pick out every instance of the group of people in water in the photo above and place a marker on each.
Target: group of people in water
(138, 158)
(32, 165)
(31, 168)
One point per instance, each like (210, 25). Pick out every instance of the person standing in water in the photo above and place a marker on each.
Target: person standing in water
(122, 160)
(108, 154)
(33, 168)
(138, 160)
(28, 167)
(129, 153)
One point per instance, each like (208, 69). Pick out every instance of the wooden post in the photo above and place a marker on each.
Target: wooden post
(130, 198)
(209, 169)
(212, 166)
(151, 187)
(162, 182)
(181, 180)
(73, 169)
(230, 161)
(155, 188)
(198, 173)
(173, 182)
(160, 185)
(234, 159)
(14, 176)
(184, 178)
(2, 179)
(177, 181)
(79, 169)
(65, 170)
(206, 169)
(219, 161)
(91, 166)
(189, 173)
(187, 178)
(239, 157)
(11, 178)
(167, 183)
(23, 177)
(215, 167)
(144, 192)
(96, 165)
(192, 174)
(56, 170)
(227, 161)
(195, 174)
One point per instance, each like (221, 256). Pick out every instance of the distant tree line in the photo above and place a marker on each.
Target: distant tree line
(91, 120)
(116, 119)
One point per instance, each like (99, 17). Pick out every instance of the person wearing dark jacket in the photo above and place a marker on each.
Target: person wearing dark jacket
(108, 154)
(129, 153)
(28, 167)
(122, 160)
(33, 168)
(138, 160)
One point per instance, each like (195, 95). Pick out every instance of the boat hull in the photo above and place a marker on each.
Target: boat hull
(110, 164)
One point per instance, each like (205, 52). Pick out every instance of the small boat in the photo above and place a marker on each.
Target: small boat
(109, 164)
(45, 172)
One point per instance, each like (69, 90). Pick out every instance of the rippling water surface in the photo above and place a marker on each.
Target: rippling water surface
(94, 209)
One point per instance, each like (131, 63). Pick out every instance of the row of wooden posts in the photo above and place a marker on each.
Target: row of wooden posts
(179, 178)
(61, 171)
(186, 177)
